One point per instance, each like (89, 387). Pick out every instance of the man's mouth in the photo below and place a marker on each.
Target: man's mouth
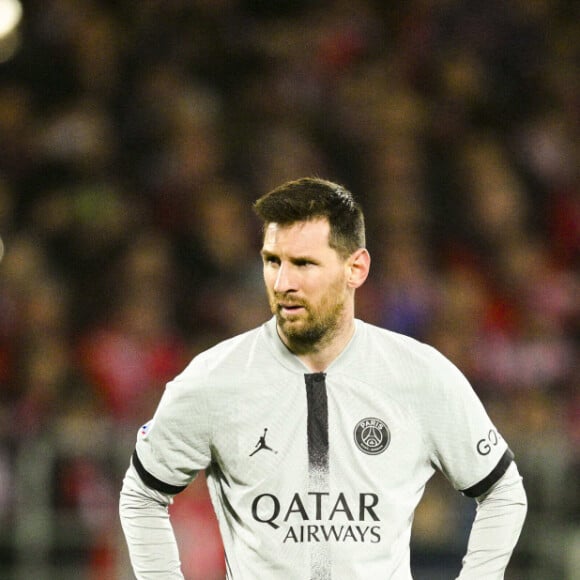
(290, 308)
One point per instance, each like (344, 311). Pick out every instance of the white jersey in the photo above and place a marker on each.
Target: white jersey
(316, 476)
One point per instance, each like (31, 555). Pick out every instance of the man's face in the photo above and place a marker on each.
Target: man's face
(306, 283)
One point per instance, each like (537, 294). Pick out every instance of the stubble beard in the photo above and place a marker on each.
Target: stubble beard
(312, 330)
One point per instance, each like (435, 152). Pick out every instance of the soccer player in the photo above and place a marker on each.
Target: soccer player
(318, 432)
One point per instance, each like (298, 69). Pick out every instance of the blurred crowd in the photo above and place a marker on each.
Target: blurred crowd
(134, 136)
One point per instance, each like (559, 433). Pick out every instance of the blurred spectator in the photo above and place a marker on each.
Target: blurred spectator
(129, 355)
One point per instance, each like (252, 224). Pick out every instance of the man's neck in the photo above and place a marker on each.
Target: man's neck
(320, 357)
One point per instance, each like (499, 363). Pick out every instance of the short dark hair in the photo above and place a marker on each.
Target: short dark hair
(312, 198)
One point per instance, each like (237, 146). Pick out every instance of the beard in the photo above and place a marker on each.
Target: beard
(314, 327)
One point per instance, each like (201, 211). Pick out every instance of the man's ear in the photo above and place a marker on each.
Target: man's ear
(359, 264)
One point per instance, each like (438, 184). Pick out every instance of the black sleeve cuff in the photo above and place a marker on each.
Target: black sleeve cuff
(486, 483)
(151, 481)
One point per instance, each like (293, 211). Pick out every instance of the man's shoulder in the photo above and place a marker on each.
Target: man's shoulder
(234, 344)
(394, 341)
(399, 349)
(414, 363)
(228, 354)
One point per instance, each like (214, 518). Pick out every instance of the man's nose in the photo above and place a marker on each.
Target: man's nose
(284, 279)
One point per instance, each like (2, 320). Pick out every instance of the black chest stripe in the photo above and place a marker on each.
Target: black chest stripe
(317, 435)
(317, 422)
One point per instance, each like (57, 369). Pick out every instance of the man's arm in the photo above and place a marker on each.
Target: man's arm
(147, 528)
(499, 519)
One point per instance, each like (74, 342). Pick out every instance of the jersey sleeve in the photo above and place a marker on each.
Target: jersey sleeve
(175, 444)
(464, 443)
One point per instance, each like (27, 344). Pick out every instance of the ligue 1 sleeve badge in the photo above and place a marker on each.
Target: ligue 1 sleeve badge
(372, 436)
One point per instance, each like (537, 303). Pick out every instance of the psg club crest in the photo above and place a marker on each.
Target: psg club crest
(372, 436)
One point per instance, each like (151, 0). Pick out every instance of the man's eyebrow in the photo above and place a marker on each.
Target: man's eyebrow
(294, 259)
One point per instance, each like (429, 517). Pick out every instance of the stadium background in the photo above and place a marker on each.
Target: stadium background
(134, 136)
